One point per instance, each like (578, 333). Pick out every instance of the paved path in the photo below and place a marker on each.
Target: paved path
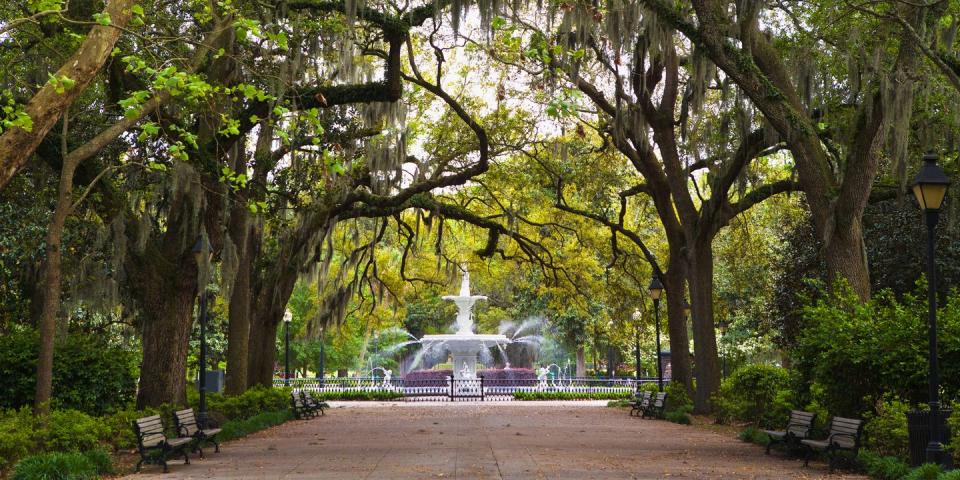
(571, 440)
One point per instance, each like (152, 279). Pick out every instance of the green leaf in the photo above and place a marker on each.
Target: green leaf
(102, 18)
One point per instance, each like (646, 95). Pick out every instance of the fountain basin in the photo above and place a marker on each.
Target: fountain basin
(464, 349)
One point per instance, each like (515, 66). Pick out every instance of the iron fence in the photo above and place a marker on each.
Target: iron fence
(451, 389)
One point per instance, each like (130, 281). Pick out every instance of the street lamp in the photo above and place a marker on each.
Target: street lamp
(202, 253)
(930, 187)
(636, 344)
(321, 373)
(287, 318)
(655, 290)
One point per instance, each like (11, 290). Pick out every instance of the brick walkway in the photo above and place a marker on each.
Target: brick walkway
(569, 440)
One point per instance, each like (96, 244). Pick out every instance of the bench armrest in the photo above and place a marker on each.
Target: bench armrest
(855, 439)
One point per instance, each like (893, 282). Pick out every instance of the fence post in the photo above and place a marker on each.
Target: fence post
(482, 391)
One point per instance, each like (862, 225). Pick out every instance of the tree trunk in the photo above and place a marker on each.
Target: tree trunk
(52, 288)
(238, 330)
(167, 310)
(677, 322)
(581, 362)
(48, 105)
(700, 279)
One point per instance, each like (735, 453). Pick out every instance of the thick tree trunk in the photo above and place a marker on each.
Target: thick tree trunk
(700, 280)
(677, 322)
(47, 106)
(167, 310)
(581, 362)
(52, 288)
(845, 256)
(238, 330)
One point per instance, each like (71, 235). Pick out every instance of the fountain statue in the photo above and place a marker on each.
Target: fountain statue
(465, 345)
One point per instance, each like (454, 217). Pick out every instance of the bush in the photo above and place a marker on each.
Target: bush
(88, 374)
(882, 468)
(677, 398)
(548, 395)
(118, 427)
(885, 432)
(18, 437)
(252, 402)
(363, 395)
(238, 428)
(677, 416)
(753, 435)
(759, 394)
(927, 471)
(72, 431)
(63, 466)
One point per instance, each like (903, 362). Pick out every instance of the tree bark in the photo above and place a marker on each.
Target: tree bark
(52, 287)
(48, 105)
(673, 282)
(238, 329)
(700, 280)
(581, 362)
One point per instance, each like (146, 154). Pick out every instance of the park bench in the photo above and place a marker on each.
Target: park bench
(844, 434)
(313, 403)
(798, 428)
(153, 444)
(655, 409)
(300, 408)
(186, 423)
(641, 400)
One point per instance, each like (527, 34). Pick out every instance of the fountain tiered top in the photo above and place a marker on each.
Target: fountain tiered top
(465, 344)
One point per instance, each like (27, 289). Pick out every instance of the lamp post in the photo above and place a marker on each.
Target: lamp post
(322, 370)
(202, 254)
(287, 318)
(636, 344)
(930, 187)
(655, 290)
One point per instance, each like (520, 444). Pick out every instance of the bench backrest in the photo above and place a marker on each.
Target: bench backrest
(660, 400)
(296, 399)
(645, 398)
(800, 423)
(149, 431)
(186, 422)
(845, 432)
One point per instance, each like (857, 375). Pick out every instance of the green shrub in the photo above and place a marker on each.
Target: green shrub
(759, 394)
(547, 395)
(882, 468)
(63, 466)
(18, 436)
(753, 435)
(252, 402)
(885, 432)
(362, 395)
(118, 428)
(951, 475)
(927, 471)
(89, 374)
(72, 431)
(238, 428)
(677, 398)
(677, 416)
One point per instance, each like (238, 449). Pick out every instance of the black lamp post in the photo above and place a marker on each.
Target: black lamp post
(202, 253)
(655, 290)
(321, 373)
(636, 343)
(287, 318)
(930, 188)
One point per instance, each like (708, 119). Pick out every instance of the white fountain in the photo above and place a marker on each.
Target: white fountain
(465, 345)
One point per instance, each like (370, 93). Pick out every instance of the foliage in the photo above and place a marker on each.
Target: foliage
(63, 466)
(677, 398)
(927, 471)
(678, 416)
(240, 427)
(882, 468)
(253, 401)
(754, 435)
(885, 430)
(759, 394)
(858, 352)
(548, 395)
(18, 436)
(72, 431)
(363, 395)
(89, 374)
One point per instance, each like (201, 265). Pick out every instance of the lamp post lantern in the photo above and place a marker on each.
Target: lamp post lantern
(202, 253)
(655, 290)
(287, 318)
(930, 188)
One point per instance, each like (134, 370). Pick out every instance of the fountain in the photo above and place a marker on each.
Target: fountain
(465, 345)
